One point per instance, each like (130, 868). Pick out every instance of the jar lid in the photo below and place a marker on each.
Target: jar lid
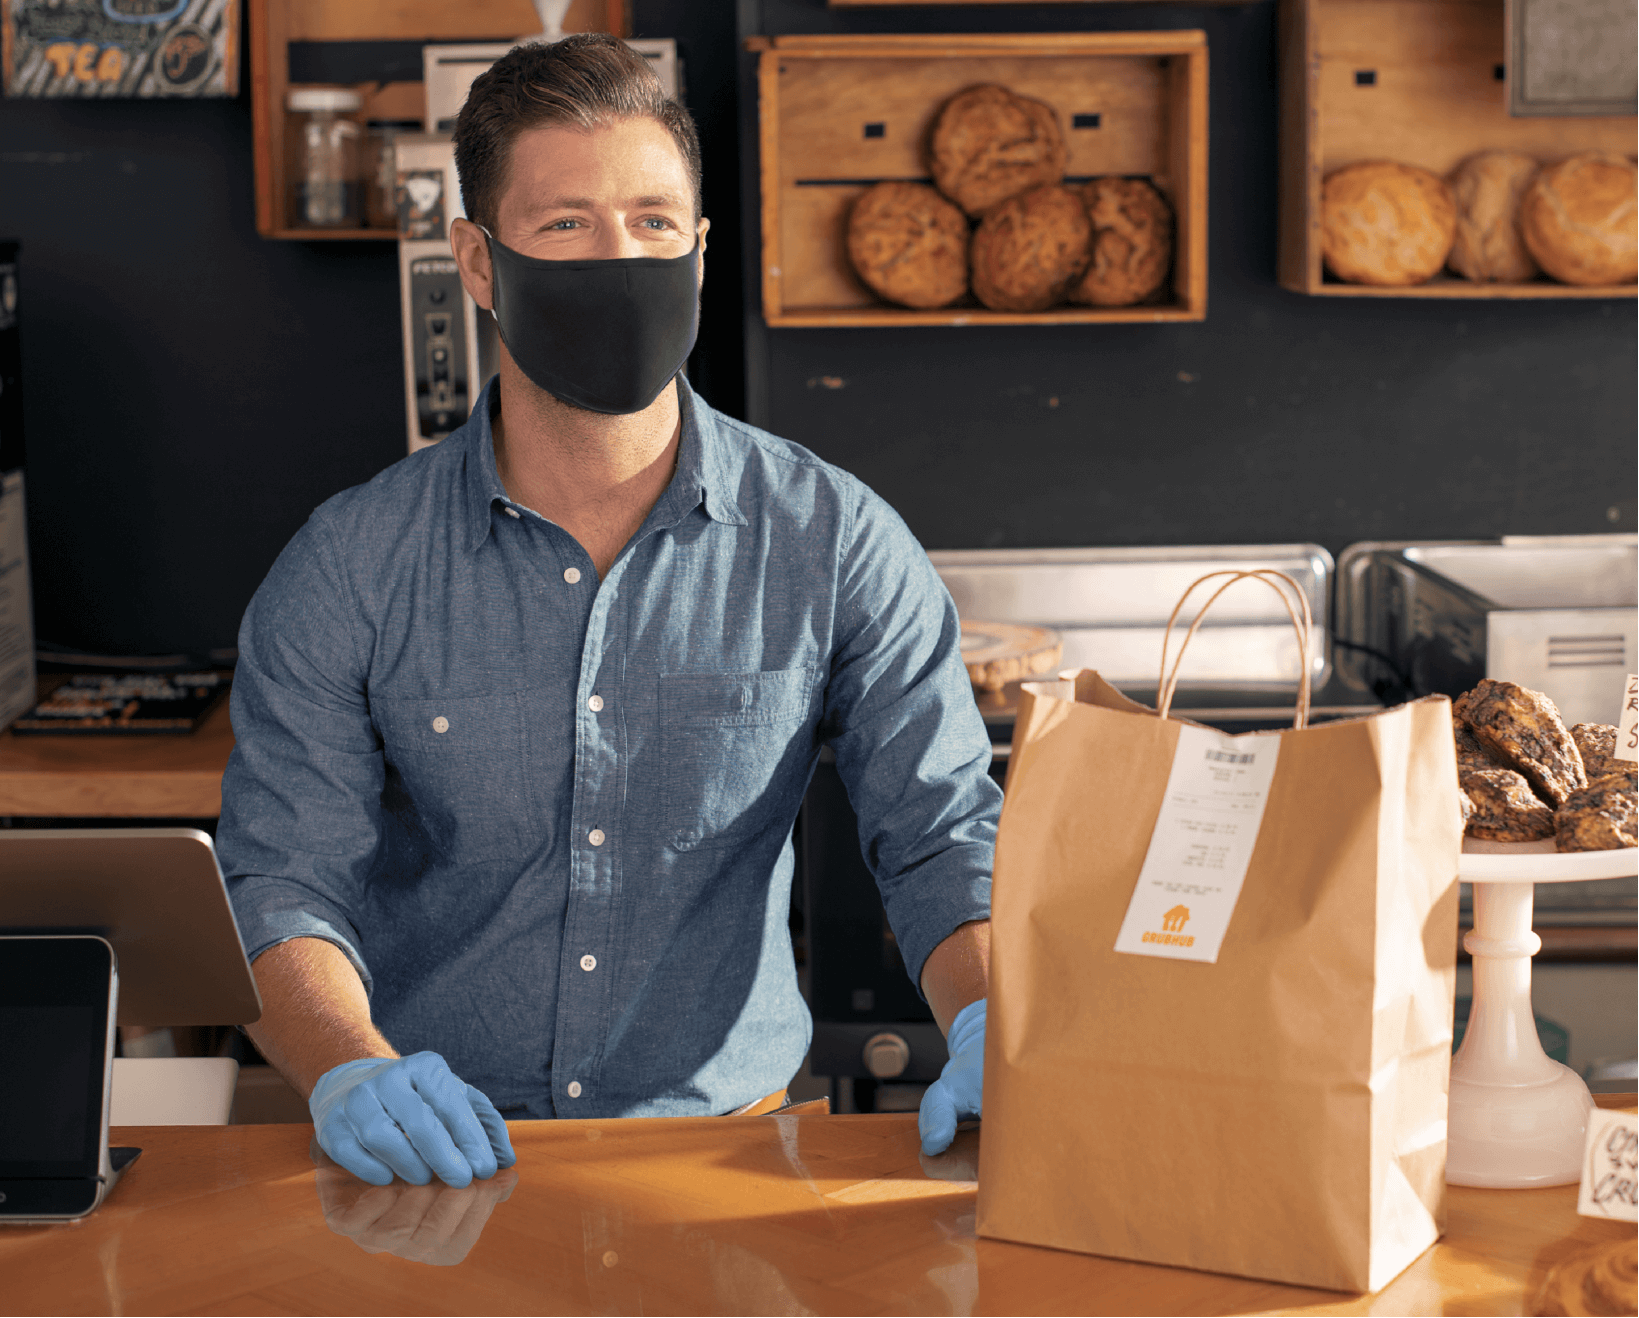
(338, 100)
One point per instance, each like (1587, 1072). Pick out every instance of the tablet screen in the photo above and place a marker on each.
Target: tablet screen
(53, 1038)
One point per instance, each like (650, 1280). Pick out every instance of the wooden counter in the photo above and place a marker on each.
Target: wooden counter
(124, 777)
(717, 1215)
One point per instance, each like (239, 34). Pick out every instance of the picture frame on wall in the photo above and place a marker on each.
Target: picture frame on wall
(117, 49)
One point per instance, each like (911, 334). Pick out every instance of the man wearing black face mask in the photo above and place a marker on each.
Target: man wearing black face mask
(524, 723)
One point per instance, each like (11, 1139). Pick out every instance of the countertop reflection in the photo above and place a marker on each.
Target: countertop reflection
(777, 1214)
(434, 1223)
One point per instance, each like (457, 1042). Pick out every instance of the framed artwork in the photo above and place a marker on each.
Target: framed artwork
(119, 48)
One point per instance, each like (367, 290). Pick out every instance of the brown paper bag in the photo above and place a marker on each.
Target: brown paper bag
(1279, 1114)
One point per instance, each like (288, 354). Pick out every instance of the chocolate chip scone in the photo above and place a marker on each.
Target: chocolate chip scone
(990, 144)
(1505, 808)
(909, 244)
(1522, 730)
(1028, 250)
(1470, 754)
(1131, 250)
(1597, 744)
(1599, 817)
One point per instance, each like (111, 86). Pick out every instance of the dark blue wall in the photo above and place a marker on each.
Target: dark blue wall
(193, 391)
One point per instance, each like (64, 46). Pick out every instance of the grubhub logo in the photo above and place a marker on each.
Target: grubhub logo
(1172, 924)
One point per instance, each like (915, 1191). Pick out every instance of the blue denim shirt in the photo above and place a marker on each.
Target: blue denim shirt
(549, 818)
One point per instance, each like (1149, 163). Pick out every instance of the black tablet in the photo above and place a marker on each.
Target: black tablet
(58, 997)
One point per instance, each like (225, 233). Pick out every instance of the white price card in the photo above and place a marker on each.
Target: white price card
(1201, 846)
(1609, 1162)
(1627, 726)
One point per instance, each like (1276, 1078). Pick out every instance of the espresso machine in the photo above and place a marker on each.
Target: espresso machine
(450, 346)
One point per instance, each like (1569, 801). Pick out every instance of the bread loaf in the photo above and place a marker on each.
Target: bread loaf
(1486, 189)
(1028, 250)
(1131, 249)
(909, 244)
(1383, 223)
(1578, 219)
(990, 144)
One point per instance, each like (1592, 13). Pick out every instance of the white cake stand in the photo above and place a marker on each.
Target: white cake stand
(1517, 1117)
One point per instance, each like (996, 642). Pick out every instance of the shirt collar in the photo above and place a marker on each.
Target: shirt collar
(703, 479)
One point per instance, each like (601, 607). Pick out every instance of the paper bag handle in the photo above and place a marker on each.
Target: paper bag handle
(1167, 685)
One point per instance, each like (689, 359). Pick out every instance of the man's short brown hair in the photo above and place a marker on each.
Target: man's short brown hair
(585, 81)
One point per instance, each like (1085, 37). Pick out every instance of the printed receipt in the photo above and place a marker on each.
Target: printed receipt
(1201, 846)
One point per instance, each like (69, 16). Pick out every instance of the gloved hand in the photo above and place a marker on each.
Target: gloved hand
(409, 1115)
(958, 1092)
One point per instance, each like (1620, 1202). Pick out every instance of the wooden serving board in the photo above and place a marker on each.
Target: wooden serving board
(997, 653)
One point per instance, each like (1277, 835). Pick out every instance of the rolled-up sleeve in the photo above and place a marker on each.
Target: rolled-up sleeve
(910, 744)
(302, 793)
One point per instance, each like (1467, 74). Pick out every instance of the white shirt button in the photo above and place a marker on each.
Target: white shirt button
(573, 1089)
(571, 575)
(441, 724)
(595, 704)
(588, 962)
(595, 837)
(511, 512)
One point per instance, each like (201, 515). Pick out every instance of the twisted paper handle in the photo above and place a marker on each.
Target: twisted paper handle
(1167, 684)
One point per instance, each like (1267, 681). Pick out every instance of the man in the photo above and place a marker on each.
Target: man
(523, 724)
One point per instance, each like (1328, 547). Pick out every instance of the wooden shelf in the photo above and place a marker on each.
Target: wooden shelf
(275, 24)
(1148, 91)
(116, 777)
(1435, 96)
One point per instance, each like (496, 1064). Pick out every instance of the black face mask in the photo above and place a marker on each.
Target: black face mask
(604, 335)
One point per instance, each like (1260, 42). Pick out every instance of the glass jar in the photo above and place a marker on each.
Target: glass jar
(381, 170)
(325, 168)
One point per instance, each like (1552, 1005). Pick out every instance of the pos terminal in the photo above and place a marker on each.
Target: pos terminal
(98, 927)
(58, 997)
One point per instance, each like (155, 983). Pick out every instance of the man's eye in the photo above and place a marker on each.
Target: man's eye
(657, 222)
(564, 224)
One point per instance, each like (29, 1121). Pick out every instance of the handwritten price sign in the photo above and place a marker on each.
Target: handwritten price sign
(1610, 1167)
(1627, 727)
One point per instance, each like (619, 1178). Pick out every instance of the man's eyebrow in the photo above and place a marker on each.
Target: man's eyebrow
(588, 204)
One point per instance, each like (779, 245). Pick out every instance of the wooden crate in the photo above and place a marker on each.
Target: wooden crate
(1421, 82)
(839, 113)
(274, 24)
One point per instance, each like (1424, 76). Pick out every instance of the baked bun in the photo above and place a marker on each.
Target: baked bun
(909, 244)
(1487, 188)
(990, 144)
(1131, 249)
(1030, 249)
(1578, 220)
(1383, 223)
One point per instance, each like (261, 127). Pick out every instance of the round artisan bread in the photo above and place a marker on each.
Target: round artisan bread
(909, 244)
(1487, 188)
(1388, 224)
(1131, 249)
(1578, 220)
(1030, 249)
(990, 144)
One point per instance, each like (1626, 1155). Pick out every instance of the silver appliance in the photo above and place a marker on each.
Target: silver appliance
(1111, 607)
(1557, 614)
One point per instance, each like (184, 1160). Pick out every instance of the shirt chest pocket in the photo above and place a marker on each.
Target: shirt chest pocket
(736, 749)
(458, 772)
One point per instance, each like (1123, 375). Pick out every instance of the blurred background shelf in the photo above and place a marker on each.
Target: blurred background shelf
(1419, 82)
(366, 46)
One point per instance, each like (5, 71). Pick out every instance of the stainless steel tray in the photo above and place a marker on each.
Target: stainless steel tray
(1111, 607)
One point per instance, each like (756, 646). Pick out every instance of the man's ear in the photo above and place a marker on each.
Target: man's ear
(471, 251)
(700, 239)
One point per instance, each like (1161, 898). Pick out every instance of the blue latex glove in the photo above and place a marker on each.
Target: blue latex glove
(959, 1091)
(412, 1116)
